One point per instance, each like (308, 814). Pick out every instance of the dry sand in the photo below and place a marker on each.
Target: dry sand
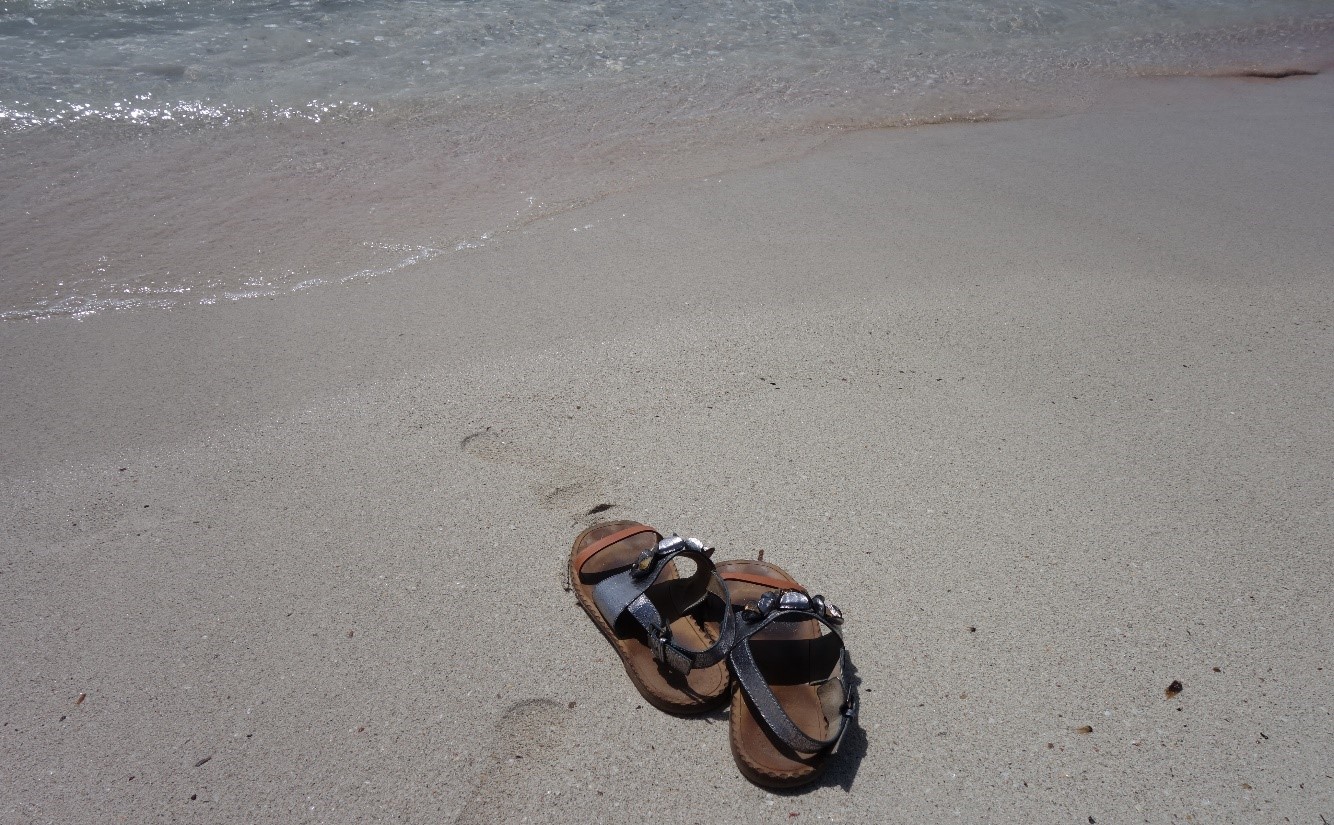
(1044, 405)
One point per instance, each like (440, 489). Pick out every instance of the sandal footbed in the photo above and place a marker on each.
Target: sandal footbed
(696, 692)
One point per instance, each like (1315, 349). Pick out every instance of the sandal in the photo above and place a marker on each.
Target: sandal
(794, 698)
(672, 632)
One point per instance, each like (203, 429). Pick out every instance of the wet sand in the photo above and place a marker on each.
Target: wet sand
(1043, 405)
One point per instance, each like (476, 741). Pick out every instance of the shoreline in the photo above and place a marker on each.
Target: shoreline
(125, 218)
(1042, 404)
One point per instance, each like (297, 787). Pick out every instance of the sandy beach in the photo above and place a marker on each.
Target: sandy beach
(1043, 404)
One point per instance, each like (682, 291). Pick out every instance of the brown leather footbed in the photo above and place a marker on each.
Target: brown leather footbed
(698, 691)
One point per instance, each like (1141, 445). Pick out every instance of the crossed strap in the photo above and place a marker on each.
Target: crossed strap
(626, 592)
(794, 605)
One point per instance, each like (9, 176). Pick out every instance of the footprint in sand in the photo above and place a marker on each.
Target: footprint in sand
(562, 485)
(526, 738)
(497, 447)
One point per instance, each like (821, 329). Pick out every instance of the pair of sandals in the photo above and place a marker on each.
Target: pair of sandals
(740, 631)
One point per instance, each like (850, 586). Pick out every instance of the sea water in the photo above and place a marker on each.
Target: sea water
(162, 153)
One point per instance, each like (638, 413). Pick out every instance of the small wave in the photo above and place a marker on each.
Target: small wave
(113, 298)
(144, 111)
(415, 255)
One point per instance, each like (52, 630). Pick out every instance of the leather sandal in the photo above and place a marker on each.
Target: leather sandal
(671, 631)
(794, 699)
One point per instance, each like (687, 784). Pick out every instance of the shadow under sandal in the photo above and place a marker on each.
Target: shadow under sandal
(672, 627)
(794, 698)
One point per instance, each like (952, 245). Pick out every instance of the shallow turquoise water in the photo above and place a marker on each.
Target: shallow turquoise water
(121, 122)
(173, 61)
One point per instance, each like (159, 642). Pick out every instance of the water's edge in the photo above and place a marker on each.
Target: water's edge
(102, 215)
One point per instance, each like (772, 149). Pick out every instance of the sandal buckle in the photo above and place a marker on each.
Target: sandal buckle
(659, 642)
(658, 637)
(853, 705)
(849, 713)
